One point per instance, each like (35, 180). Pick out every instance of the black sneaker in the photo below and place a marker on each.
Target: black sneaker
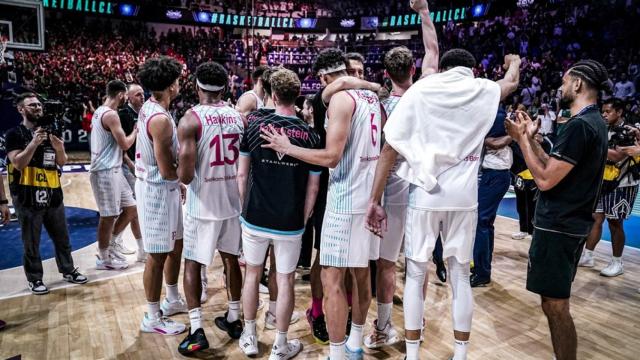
(349, 323)
(234, 329)
(478, 282)
(75, 277)
(193, 342)
(318, 328)
(38, 287)
(441, 270)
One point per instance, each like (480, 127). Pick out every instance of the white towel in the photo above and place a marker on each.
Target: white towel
(440, 121)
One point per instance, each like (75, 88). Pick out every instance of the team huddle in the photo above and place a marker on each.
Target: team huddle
(250, 179)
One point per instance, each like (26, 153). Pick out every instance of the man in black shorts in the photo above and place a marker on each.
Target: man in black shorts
(569, 180)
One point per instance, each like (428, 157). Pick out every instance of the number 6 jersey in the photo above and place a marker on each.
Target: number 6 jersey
(350, 182)
(213, 192)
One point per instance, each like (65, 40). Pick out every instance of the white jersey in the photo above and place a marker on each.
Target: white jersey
(105, 152)
(396, 192)
(259, 102)
(457, 187)
(146, 164)
(350, 182)
(213, 192)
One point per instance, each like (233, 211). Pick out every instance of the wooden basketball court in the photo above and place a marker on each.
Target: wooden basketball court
(101, 320)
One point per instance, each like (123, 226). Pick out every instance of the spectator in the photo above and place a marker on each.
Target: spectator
(624, 88)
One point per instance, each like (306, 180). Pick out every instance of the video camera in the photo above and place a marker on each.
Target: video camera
(52, 121)
(622, 136)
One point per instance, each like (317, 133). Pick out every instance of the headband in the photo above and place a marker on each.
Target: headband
(332, 69)
(213, 88)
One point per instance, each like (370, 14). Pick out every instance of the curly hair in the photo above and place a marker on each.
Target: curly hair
(398, 63)
(212, 73)
(328, 58)
(158, 73)
(457, 57)
(286, 86)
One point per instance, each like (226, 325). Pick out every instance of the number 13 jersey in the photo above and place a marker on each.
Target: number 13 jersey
(213, 193)
(350, 182)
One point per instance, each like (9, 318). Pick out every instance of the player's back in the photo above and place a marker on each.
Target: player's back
(146, 164)
(396, 192)
(213, 192)
(105, 152)
(350, 182)
(277, 182)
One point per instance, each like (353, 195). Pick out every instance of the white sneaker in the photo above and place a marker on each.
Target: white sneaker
(248, 344)
(118, 245)
(614, 268)
(379, 338)
(286, 351)
(586, 260)
(110, 263)
(270, 320)
(161, 325)
(173, 307)
(518, 235)
(142, 256)
(115, 253)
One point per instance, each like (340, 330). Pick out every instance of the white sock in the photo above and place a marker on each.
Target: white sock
(172, 292)
(272, 307)
(384, 315)
(354, 341)
(336, 351)
(104, 254)
(116, 237)
(588, 252)
(234, 311)
(153, 308)
(140, 244)
(413, 349)
(460, 350)
(250, 326)
(617, 260)
(281, 338)
(195, 317)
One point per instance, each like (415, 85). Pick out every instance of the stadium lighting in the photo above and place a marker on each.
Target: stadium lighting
(478, 10)
(126, 10)
(203, 16)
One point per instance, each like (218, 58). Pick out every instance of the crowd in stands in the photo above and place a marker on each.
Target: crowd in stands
(549, 37)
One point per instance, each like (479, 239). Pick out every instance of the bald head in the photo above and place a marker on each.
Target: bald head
(135, 96)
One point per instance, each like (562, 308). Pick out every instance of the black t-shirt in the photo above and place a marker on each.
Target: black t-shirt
(128, 119)
(277, 184)
(38, 185)
(568, 206)
(319, 117)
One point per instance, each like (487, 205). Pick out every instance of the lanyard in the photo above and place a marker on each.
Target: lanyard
(585, 109)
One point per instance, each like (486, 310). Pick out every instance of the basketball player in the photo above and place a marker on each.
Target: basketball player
(278, 200)
(110, 189)
(399, 67)
(352, 149)
(253, 100)
(320, 102)
(209, 136)
(159, 192)
(450, 206)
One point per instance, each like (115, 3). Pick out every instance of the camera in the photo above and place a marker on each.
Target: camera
(622, 136)
(51, 121)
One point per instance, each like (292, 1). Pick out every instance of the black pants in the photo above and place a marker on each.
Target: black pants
(55, 223)
(526, 205)
(312, 233)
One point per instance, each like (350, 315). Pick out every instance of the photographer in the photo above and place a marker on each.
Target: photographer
(34, 180)
(547, 120)
(619, 190)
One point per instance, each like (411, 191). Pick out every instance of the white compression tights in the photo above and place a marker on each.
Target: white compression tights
(462, 304)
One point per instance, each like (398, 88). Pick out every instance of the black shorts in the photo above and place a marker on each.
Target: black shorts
(553, 262)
